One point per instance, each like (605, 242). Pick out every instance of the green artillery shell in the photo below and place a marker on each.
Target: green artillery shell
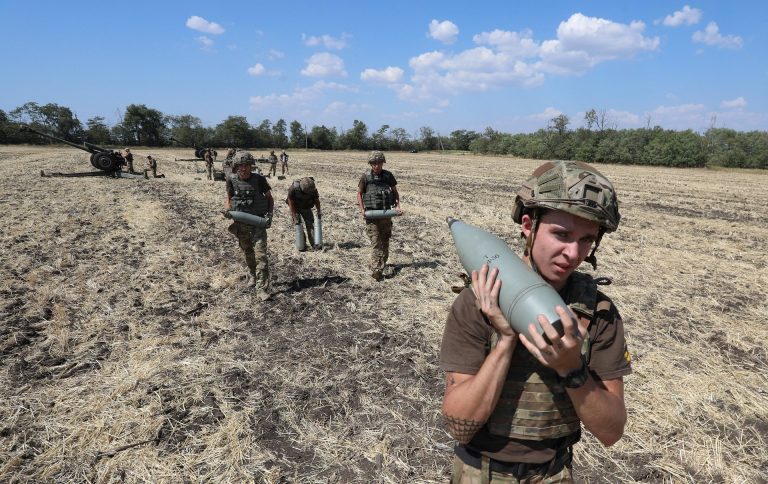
(377, 214)
(524, 295)
(248, 218)
(298, 238)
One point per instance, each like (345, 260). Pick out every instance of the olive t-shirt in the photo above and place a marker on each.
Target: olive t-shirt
(467, 342)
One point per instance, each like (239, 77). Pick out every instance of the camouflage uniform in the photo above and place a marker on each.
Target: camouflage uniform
(532, 427)
(284, 163)
(378, 191)
(252, 196)
(152, 166)
(129, 160)
(302, 196)
(209, 164)
(272, 164)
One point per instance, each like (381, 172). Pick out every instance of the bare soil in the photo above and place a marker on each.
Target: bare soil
(130, 350)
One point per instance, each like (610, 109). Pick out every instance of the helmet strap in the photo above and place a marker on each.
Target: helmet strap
(528, 252)
(591, 257)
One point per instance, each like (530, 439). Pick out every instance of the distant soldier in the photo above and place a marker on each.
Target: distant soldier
(129, 160)
(284, 163)
(377, 190)
(250, 192)
(302, 196)
(209, 163)
(231, 153)
(152, 166)
(272, 164)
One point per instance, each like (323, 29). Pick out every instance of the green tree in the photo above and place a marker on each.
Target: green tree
(263, 135)
(51, 118)
(322, 138)
(279, 134)
(188, 130)
(379, 138)
(427, 138)
(298, 136)
(399, 139)
(98, 131)
(461, 139)
(356, 138)
(143, 126)
(235, 131)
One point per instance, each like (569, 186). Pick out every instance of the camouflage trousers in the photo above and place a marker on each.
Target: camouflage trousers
(209, 170)
(379, 231)
(309, 224)
(253, 242)
(284, 168)
(130, 167)
(272, 169)
(466, 474)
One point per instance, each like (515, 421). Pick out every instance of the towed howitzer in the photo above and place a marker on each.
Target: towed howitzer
(102, 158)
(199, 150)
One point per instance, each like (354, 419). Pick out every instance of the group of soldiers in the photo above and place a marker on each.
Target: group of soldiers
(150, 165)
(515, 403)
(251, 193)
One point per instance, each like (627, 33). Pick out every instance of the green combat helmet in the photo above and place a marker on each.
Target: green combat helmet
(376, 157)
(573, 187)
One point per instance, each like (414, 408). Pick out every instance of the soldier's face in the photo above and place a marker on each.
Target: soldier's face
(562, 243)
(377, 166)
(244, 171)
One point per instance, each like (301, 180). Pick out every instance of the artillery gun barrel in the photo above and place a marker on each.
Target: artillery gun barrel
(83, 146)
(95, 148)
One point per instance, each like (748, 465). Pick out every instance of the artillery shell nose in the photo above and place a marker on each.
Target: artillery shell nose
(450, 220)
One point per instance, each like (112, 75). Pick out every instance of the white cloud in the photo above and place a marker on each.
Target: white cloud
(546, 115)
(517, 44)
(445, 31)
(390, 75)
(275, 54)
(201, 25)
(687, 16)
(711, 36)
(206, 42)
(326, 41)
(256, 70)
(737, 103)
(324, 64)
(583, 42)
(299, 97)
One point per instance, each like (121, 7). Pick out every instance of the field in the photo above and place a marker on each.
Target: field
(131, 352)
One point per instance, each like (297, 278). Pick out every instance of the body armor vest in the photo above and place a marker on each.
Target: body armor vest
(247, 196)
(533, 404)
(378, 191)
(301, 200)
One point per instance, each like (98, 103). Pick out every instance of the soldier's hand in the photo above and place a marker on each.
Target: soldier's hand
(269, 220)
(561, 353)
(226, 214)
(486, 287)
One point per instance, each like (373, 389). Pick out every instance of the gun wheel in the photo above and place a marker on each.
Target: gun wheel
(104, 161)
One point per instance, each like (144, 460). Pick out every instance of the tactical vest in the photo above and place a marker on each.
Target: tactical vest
(301, 200)
(533, 404)
(247, 196)
(378, 191)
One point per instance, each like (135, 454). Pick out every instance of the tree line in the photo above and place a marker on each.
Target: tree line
(596, 141)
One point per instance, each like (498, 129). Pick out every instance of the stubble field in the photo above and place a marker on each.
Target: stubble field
(131, 352)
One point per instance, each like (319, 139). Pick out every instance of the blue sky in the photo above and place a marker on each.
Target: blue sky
(450, 65)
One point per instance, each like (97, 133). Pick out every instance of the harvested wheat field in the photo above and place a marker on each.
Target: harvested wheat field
(130, 351)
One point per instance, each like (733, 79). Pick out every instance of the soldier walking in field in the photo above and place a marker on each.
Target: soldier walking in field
(129, 160)
(284, 163)
(516, 405)
(250, 193)
(272, 164)
(302, 196)
(209, 163)
(377, 190)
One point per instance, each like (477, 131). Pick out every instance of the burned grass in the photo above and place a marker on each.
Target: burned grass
(132, 352)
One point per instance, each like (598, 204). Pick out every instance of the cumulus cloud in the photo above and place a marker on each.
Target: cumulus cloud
(324, 64)
(326, 41)
(686, 16)
(201, 25)
(299, 97)
(545, 115)
(275, 54)
(256, 70)
(205, 42)
(518, 44)
(445, 31)
(583, 42)
(711, 36)
(737, 103)
(390, 75)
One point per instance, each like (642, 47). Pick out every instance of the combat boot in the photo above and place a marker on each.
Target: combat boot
(377, 275)
(250, 279)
